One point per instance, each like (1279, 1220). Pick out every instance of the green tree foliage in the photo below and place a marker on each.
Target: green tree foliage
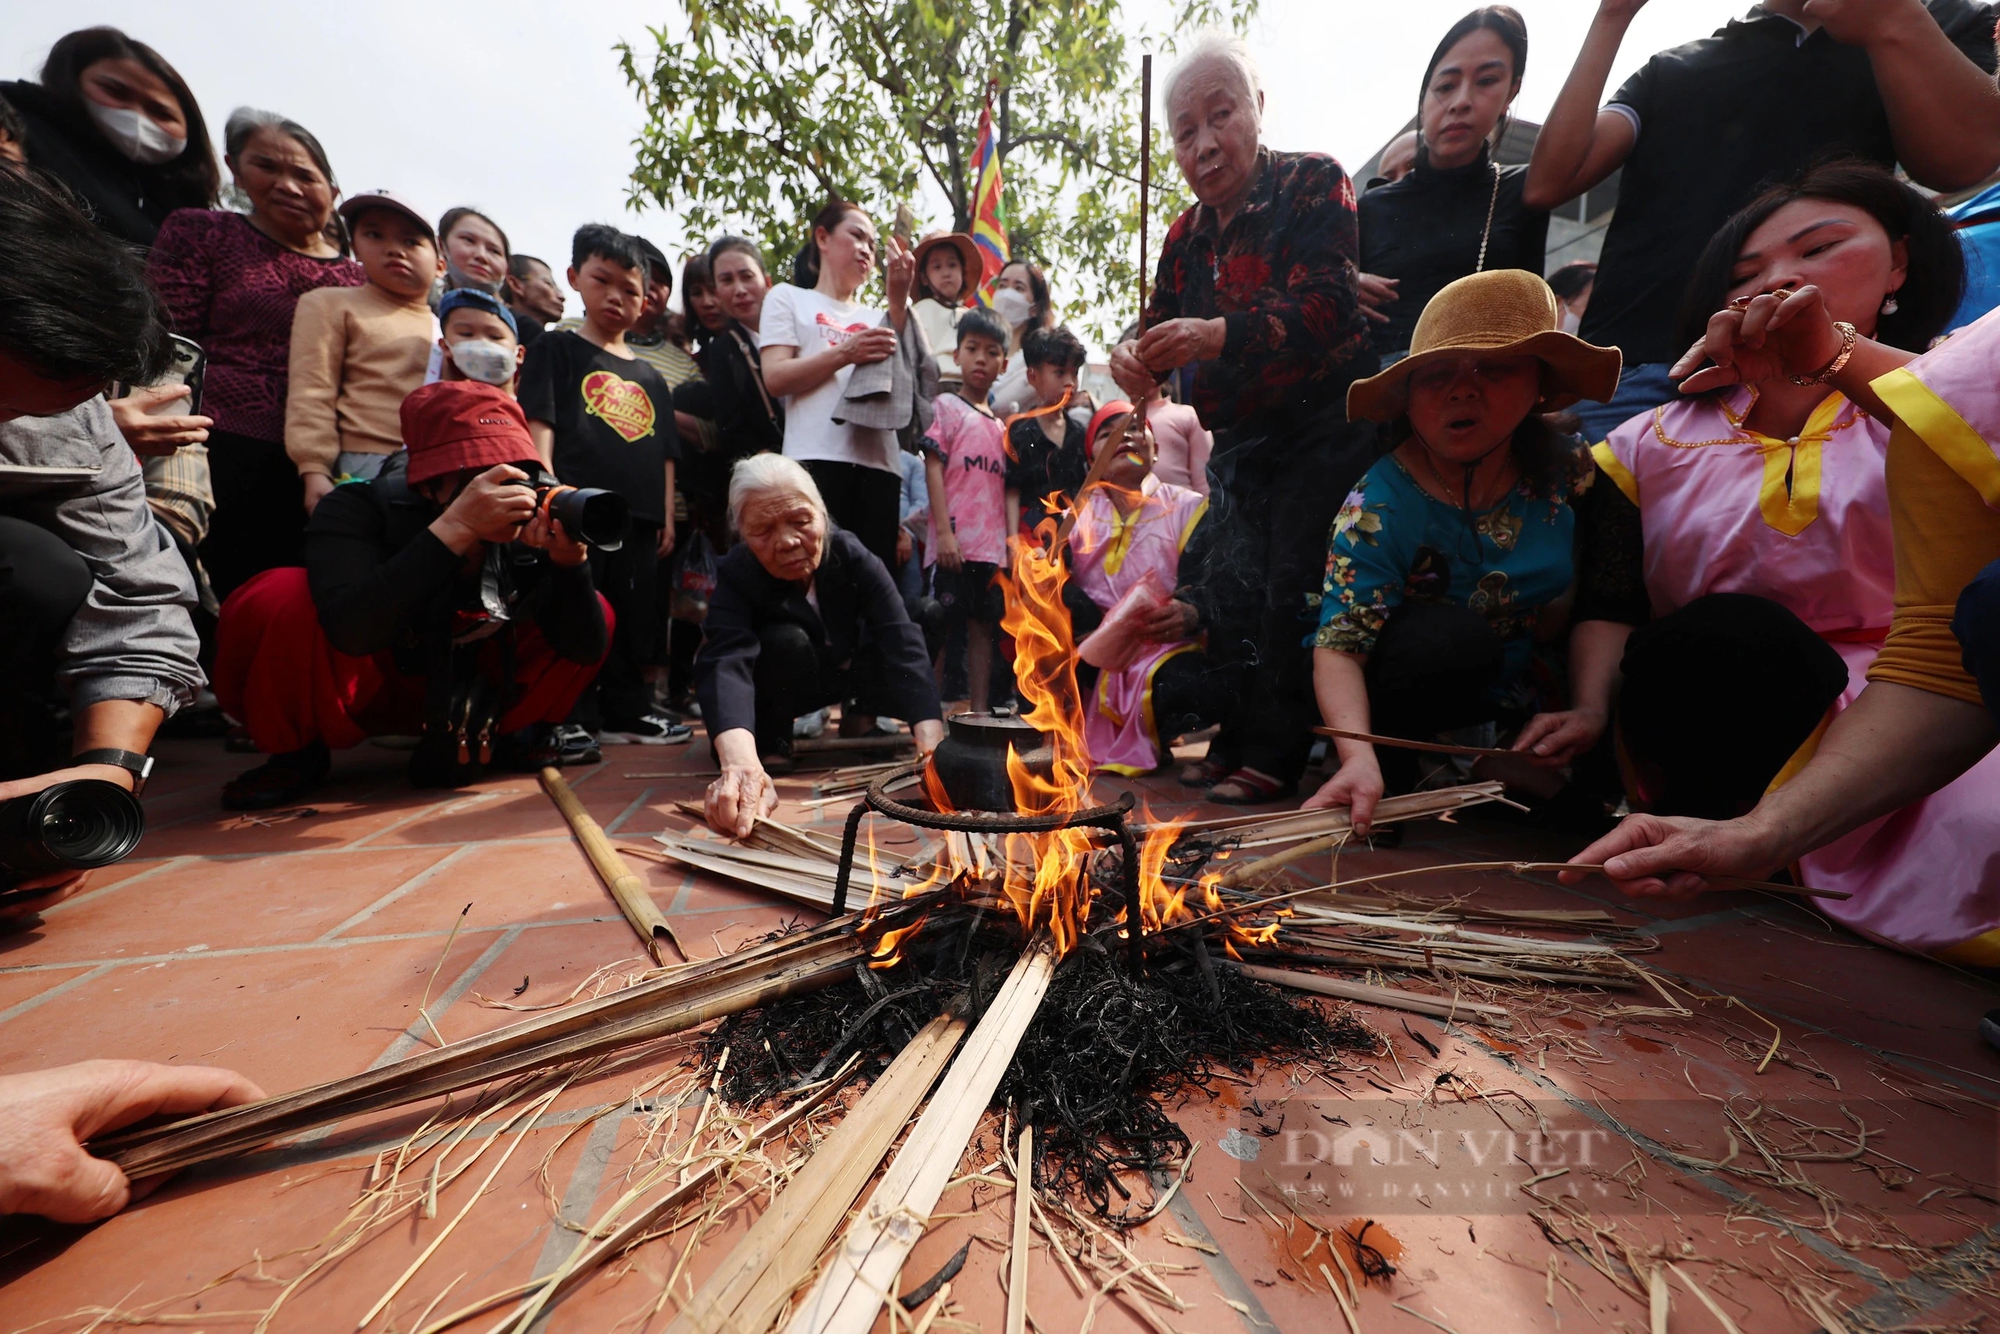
(758, 111)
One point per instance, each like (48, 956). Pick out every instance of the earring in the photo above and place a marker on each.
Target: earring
(1890, 305)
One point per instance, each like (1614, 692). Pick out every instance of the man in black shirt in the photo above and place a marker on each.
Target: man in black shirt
(1701, 127)
(438, 596)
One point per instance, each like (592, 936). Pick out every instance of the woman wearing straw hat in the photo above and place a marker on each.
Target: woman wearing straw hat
(1448, 556)
(948, 270)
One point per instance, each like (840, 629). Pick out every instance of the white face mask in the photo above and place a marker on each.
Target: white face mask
(1571, 321)
(1012, 306)
(483, 360)
(135, 134)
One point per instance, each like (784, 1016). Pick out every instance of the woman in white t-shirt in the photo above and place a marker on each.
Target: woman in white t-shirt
(810, 341)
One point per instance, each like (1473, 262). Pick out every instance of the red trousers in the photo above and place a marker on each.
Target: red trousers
(276, 673)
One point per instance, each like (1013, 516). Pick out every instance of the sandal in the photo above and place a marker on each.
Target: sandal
(1204, 773)
(1248, 787)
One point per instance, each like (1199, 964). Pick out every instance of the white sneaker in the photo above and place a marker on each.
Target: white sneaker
(647, 730)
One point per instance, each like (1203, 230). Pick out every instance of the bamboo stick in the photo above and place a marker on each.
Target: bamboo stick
(1248, 831)
(863, 1268)
(626, 888)
(588, 1259)
(1017, 1279)
(1439, 1007)
(1429, 747)
(777, 1254)
(689, 996)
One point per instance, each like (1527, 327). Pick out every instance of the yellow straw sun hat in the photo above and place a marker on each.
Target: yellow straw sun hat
(1500, 313)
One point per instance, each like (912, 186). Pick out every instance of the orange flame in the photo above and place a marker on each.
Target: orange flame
(1046, 877)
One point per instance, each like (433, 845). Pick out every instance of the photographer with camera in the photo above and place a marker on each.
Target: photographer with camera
(93, 596)
(449, 595)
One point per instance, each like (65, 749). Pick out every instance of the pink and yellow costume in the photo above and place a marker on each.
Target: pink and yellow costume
(1113, 555)
(1805, 523)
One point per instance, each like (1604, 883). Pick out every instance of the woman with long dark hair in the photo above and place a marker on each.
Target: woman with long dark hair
(1457, 211)
(1021, 300)
(810, 341)
(116, 123)
(231, 282)
(1748, 528)
(476, 252)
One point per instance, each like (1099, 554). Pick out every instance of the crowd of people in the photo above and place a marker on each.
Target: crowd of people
(1703, 529)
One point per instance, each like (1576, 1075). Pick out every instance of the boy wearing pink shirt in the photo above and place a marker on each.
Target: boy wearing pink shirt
(965, 466)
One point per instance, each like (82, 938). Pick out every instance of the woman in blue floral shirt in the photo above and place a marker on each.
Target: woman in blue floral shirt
(1456, 551)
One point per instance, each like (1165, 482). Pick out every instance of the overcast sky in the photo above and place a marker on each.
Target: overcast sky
(525, 115)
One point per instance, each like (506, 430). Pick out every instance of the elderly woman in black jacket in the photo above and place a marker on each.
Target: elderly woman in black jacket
(802, 616)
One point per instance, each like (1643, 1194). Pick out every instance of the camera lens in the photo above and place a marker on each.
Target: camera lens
(91, 828)
(71, 826)
(599, 518)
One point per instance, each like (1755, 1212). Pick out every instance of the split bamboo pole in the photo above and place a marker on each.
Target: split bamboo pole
(863, 1268)
(691, 995)
(776, 1256)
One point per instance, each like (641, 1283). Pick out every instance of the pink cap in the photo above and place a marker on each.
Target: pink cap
(354, 204)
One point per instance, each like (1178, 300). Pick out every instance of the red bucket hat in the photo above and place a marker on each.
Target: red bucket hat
(456, 424)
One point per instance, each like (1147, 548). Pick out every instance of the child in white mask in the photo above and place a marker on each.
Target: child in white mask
(480, 340)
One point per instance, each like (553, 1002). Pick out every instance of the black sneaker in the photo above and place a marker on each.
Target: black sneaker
(575, 745)
(646, 730)
(278, 781)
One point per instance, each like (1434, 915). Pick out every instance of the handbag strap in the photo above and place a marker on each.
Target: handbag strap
(757, 367)
(1486, 236)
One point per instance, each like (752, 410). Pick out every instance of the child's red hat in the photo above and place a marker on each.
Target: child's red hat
(456, 424)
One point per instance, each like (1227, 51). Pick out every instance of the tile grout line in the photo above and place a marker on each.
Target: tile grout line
(424, 812)
(638, 804)
(1220, 1267)
(1973, 1258)
(585, 1180)
(1988, 1094)
(1667, 1158)
(412, 1037)
(91, 896)
(416, 881)
(21, 1008)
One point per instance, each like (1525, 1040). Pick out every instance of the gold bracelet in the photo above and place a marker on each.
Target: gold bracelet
(1849, 336)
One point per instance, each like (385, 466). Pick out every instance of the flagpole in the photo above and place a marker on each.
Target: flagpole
(1145, 171)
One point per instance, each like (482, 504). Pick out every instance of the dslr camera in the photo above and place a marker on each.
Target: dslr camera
(590, 515)
(74, 826)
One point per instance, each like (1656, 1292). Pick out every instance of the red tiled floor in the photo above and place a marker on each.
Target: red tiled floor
(317, 958)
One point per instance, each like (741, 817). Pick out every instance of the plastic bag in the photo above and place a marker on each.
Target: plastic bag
(694, 580)
(1117, 642)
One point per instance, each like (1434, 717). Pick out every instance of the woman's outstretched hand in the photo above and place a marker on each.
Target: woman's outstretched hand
(738, 799)
(1357, 785)
(1560, 738)
(1776, 334)
(1669, 856)
(47, 1116)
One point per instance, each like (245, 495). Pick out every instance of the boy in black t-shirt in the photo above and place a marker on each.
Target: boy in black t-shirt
(604, 418)
(1045, 453)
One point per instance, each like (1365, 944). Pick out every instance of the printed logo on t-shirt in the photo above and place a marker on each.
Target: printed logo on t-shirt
(836, 333)
(619, 404)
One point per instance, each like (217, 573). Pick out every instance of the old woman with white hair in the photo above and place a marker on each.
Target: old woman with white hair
(802, 616)
(1256, 292)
